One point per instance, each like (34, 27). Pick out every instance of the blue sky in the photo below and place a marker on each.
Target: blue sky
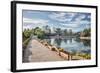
(64, 20)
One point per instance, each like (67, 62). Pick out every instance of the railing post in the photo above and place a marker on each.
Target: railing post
(69, 57)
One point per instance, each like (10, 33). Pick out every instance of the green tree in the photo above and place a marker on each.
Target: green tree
(26, 34)
(70, 32)
(65, 32)
(87, 32)
(58, 31)
(38, 31)
(47, 29)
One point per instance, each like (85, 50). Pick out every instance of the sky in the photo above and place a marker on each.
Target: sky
(64, 20)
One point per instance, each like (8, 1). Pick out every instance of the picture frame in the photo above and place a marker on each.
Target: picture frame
(27, 16)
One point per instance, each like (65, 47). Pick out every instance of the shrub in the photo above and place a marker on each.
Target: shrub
(61, 49)
(25, 43)
(53, 49)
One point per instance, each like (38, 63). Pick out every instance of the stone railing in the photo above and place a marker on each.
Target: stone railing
(64, 54)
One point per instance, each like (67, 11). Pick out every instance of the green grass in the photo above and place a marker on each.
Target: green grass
(61, 49)
(86, 56)
(25, 43)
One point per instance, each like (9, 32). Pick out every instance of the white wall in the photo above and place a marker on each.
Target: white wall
(5, 36)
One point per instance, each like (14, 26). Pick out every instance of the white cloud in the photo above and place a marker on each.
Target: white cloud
(85, 22)
(32, 23)
(61, 16)
(71, 25)
(89, 17)
(31, 12)
(80, 17)
(77, 24)
(74, 24)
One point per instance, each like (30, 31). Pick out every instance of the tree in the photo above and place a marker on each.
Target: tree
(70, 32)
(26, 36)
(27, 33)
(86, 32)
(38, 31)
(47, 29)
(65, 32)
(58, 31)
(58, 42)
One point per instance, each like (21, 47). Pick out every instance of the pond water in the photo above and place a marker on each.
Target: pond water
(72, 45)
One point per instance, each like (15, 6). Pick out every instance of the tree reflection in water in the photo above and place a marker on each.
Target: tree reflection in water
(58, 42)
(72, 45)
(85, 42)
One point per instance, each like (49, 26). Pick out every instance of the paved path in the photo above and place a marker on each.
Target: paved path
(40, 53)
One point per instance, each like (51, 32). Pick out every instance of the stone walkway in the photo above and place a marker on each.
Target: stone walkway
(40, 53)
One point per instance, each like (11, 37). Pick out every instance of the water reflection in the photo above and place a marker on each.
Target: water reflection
(85, 42)
(58, 42)
(71, 44)
(65, 40)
